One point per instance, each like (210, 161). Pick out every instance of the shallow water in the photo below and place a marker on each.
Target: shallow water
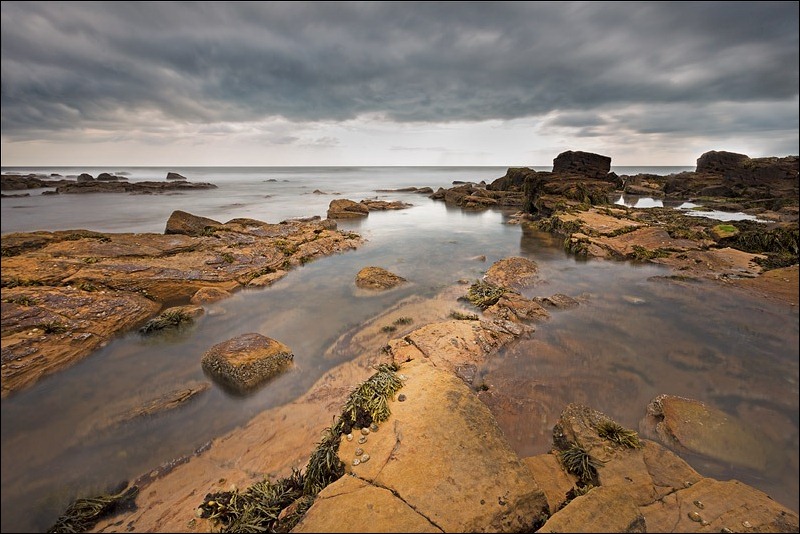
(634, 336)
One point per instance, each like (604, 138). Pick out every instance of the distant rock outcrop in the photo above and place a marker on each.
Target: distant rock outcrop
(584, 163)
(343, 208)
(175, 176)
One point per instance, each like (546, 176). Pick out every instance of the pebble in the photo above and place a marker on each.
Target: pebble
(373, 427)
(746, 524)
(699, 504)
(350, 437)
(401, 397)
(365, 458)
(359, 451)
(362, 440)
(365, 431)
(356, 461)
(694, 516)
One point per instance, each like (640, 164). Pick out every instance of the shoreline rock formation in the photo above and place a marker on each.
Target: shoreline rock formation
(66, 293)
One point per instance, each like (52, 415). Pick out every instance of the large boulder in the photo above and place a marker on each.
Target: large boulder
(181, 222)
(377, 278)
(583, 163)
(175, 176)
(720, 161)
(343, 208)
(85, 177)
(245, 362)
(440, 463)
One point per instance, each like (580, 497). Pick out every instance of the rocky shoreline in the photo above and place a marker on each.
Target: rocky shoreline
(103, 183)
(599, 476)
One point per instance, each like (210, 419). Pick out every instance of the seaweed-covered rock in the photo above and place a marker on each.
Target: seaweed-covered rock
(377, 278)
(247, 361)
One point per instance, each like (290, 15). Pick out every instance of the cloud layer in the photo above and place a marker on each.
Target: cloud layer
(162, 70)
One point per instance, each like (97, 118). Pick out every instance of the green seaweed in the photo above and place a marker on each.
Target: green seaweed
(484, 294)
(83, 514)
(617, 433)
(403, 320)
(258, 509)
(168, 319)
(580, 463)
(461, 316)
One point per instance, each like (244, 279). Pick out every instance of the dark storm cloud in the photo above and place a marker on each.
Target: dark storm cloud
(98, 65)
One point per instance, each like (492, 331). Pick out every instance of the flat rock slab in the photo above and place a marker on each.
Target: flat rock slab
(247, 361)
(442, 454)
(513, 273)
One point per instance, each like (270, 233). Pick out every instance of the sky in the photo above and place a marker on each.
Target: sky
(395, 83)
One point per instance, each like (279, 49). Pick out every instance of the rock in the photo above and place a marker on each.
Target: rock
(209, 294)
(441, 456)
(381, 205)
(46, 329)
(123, 186)
(719, 161)
(245, 362)
(181, 222)
(690, 425)
(513, 273)
(583, 163)
(171, 318)
(175, 176)
(104, 176)
(354, 505)
(559, 300)
(85, 177)
(342, 208)
(377, 278)
(648, 488)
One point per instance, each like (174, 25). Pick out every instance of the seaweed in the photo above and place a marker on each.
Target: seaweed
(461, 316)
(83, 514)
(580, 463)
(484, 294)
(168, 319)
(618, 434)
(278, 506)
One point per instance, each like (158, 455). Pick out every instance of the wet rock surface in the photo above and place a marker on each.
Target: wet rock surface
(475, 483)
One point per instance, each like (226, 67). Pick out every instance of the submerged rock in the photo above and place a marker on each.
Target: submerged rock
(690, 425)
(247, 361)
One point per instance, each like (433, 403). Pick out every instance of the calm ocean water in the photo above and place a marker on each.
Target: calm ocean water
(636, 335)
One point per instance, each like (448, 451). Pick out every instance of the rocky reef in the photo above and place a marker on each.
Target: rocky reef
(66, 293)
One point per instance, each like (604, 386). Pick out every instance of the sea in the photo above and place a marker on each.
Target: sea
(636, 334)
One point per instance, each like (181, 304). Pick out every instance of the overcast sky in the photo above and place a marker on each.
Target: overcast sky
(434, 83)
